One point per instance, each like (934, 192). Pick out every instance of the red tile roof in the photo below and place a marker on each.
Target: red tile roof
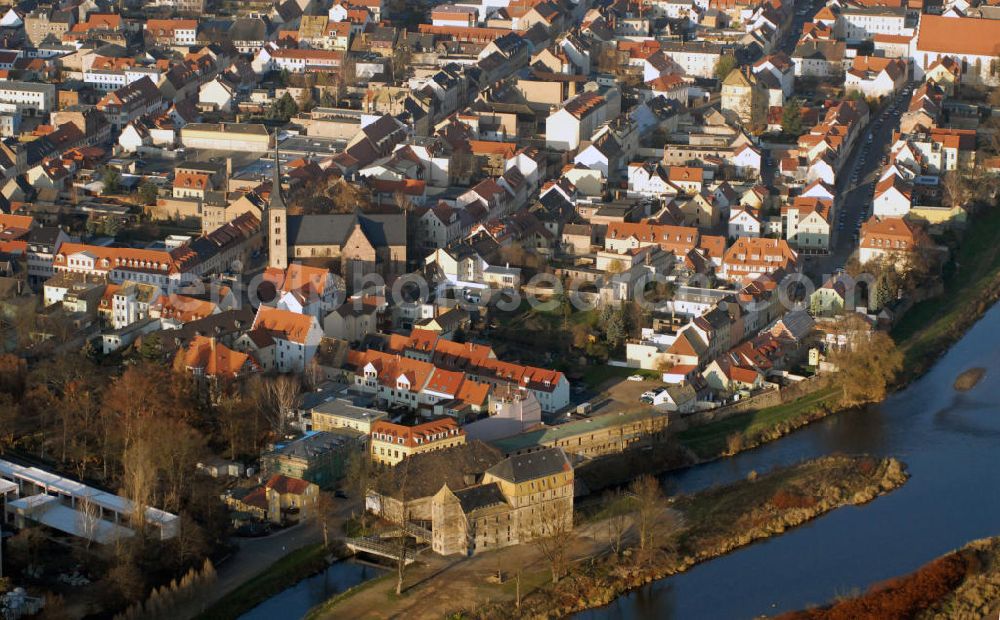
(959, 35)
(285, 485)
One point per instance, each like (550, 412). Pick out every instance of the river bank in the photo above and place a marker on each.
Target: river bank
(706, 525)
(716, 522)
(961, 584)
(924, 334)
(282, 574)
(971, 287)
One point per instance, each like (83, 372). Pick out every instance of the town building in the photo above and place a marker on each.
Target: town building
(391, 443)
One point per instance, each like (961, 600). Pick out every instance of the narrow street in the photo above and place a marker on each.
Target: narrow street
(855, 185)
(253, 557)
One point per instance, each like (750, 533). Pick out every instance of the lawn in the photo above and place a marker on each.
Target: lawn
(969, 282)
(284, 573)
(595, 376)
(710, 440)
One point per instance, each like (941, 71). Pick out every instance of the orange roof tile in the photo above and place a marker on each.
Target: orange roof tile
(959, 35)
(420, 434)
(295, 327)
(214, 358)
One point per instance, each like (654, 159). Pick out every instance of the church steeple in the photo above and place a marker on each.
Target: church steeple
(277, 219)
(277, 201)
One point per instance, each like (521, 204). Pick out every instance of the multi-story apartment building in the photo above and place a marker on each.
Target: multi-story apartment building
(390, 443)
(42, 245)
(31, 98)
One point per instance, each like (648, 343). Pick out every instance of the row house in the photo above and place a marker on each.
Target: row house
(748, 258)
(400, 381)
(876, 77)
(212, 362)
(861, 23)
(579, 118)
(159, 267)
(781, 67)
(492, 195)
(479, 363)
(436, 227)
(622, 237)
(745, 222)
(695, 58)
(180, 32)
(649, 179)
(807, 224)
(271, 58)
(936, 151)
(133, 101)
(821, 59)
(893, 197)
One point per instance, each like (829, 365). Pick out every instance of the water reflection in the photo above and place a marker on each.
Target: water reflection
(949, 442)
(295, 601)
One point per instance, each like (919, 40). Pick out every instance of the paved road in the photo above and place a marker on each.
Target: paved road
(855, 192)
(253, 556)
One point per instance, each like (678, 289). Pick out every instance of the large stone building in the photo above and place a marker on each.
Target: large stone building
(519, 499)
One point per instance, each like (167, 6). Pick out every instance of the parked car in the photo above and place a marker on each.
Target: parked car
(635, 378)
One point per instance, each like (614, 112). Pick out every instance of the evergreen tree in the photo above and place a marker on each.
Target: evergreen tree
(148, 193)
(111, 180)
(791, 118)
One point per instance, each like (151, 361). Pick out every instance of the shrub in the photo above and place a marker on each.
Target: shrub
(787, 499)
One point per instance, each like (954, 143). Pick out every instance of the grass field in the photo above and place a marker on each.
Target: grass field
(596, 375)
(710, 440)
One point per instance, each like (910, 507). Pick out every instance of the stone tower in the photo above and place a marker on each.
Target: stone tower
(277, 220)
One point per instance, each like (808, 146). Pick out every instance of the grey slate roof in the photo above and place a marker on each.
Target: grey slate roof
(313, 445)
(381, 229)
(481, 496)
(458, 467)
(531, 466)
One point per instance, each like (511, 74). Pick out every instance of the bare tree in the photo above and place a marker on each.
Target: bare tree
(231, 417)
(25, 320)
(359, 472)
(462, 166)
(553, 535)
(325, 514)
(276, 396)
(402, 201)
(403, 541)
(138, 478)
(649, 504)
(9, 415)
(88, 515)
(956, 187)
(618, 522)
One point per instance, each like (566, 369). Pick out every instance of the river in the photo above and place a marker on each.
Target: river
(295, 601)
(949, 441)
